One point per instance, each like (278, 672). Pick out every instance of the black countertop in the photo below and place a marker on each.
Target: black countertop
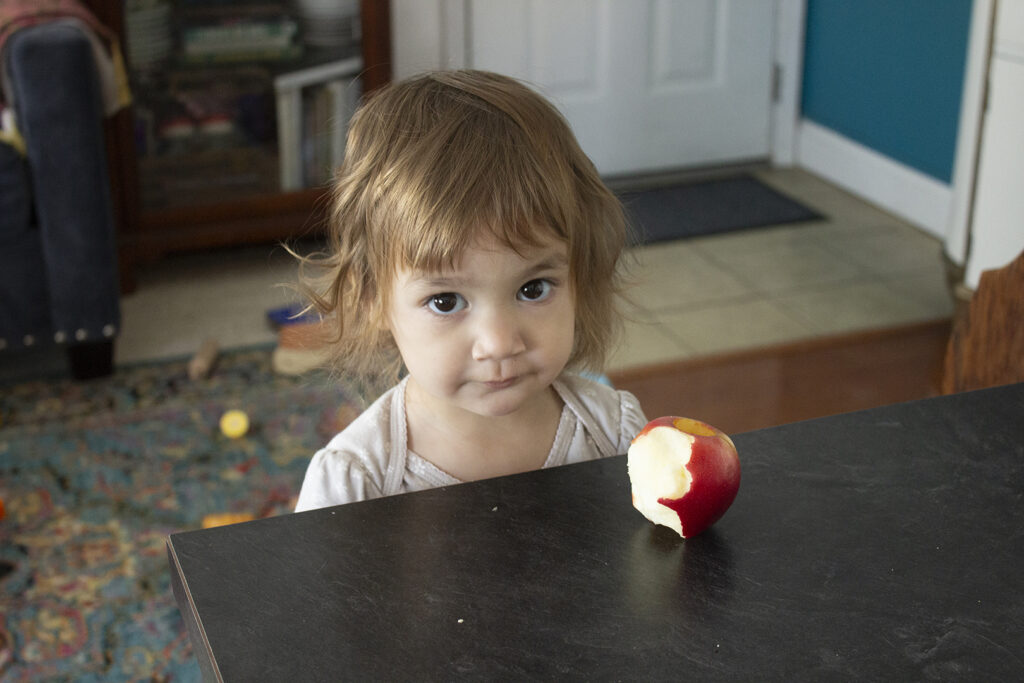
(883, 544)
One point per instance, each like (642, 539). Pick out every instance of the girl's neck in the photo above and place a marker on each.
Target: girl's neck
(469, 446)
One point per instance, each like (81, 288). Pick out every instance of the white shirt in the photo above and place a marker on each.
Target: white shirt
(370, 458)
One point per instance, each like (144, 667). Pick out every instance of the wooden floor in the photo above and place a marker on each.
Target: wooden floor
(748, 390)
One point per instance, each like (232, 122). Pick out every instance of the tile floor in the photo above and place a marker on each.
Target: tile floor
(860, 268)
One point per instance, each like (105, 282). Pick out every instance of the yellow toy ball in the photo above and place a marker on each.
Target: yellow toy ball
(234, 424)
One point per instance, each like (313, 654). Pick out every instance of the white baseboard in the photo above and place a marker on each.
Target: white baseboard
(889, 184)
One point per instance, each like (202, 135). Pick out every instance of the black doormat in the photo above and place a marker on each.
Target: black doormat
(708, 207)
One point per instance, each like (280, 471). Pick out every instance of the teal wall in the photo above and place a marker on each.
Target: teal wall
(889, 75)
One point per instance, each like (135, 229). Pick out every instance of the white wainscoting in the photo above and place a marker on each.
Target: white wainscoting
(895, 187)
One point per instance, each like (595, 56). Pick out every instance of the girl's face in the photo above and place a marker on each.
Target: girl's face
(491, 334)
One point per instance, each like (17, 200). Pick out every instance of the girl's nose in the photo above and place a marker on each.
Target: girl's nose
(498, 336)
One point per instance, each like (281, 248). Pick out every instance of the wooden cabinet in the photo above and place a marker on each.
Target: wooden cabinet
(147, 229)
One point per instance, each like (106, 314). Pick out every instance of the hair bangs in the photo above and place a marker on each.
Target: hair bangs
(466, 192)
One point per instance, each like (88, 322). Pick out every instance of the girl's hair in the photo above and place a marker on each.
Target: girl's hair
(429, 163)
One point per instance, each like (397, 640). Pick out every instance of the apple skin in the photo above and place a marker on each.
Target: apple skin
(684, 473)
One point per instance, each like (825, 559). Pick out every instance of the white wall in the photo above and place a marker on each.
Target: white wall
(899, 189)
(418, 35)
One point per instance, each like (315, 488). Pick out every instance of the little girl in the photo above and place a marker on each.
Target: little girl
(474, 246)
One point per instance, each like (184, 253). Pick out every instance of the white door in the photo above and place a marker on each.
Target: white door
(646, 84)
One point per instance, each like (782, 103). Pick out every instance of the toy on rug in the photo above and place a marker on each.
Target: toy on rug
(234, 423)
(292, 314)
(301, 341)
(201, 364)
(278, 501)
(224, 518)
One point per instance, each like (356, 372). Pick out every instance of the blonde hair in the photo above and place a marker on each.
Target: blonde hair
(429, 163)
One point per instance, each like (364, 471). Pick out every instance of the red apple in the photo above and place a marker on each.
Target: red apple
(684, 473)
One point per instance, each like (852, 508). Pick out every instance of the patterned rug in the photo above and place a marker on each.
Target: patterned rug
(95, 475)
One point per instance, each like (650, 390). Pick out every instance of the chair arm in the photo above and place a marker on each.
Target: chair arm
(55, 87)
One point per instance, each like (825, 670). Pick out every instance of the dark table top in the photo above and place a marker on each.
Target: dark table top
(883, 544)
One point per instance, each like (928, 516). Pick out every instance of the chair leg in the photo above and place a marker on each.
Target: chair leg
(91, 360)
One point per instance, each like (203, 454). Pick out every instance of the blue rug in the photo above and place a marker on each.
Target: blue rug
(95, 475)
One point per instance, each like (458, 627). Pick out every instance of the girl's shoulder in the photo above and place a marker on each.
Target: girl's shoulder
(368, 437)
(615, 412)
(355, 463)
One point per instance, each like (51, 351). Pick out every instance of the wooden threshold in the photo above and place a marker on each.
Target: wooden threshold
(764, 387)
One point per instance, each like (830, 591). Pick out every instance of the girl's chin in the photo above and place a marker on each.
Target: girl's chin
(502, 402)
(492, 405)
(486, 399)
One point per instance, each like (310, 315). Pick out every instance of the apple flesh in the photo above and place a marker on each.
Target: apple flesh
(684, 473)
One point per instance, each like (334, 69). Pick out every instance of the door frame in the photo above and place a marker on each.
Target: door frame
(969, 131)
(790, 21)
(787, 71)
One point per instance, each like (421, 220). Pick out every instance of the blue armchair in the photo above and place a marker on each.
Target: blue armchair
(58, 260)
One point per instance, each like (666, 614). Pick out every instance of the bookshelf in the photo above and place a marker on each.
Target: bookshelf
(234, 127)
(311, 104)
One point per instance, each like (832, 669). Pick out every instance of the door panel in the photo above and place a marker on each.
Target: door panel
(646, 84)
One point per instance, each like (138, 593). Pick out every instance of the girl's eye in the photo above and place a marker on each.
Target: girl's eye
(446, 303)
(535, 290)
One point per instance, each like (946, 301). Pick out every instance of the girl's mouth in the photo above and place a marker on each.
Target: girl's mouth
(501, 384)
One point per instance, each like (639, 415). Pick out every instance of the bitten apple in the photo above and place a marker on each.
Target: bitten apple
(684, 473)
